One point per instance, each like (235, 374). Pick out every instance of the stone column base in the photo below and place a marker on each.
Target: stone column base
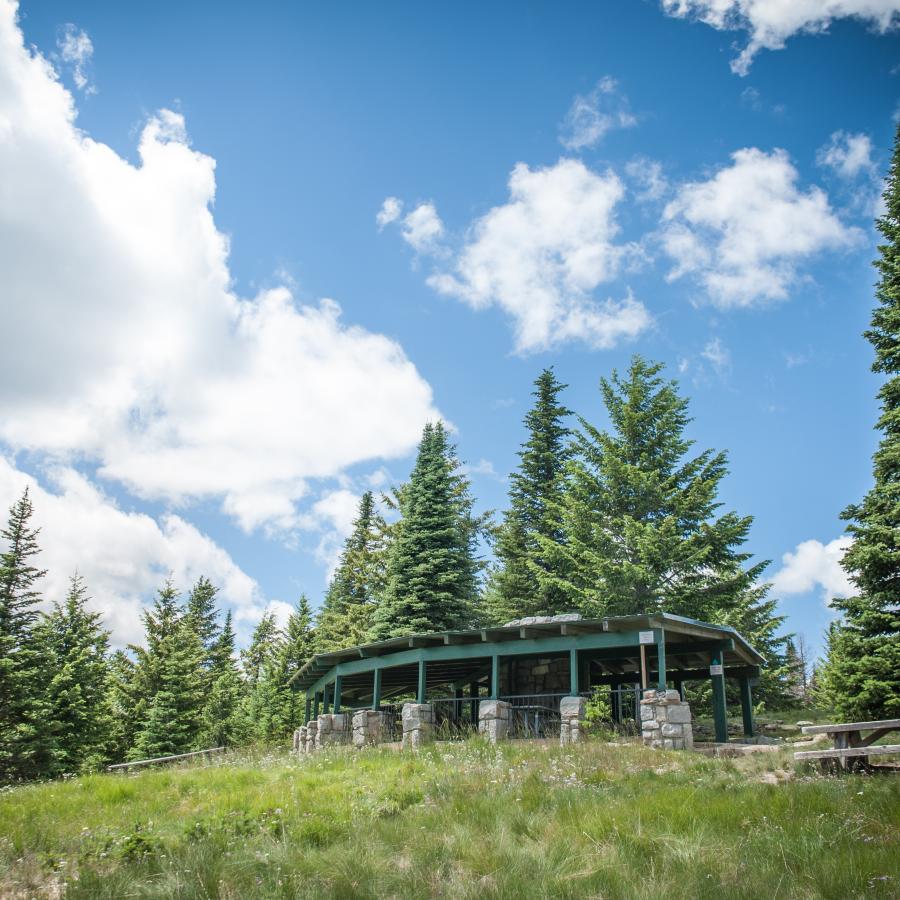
(493, 720)
(300, 740)
(312, 730)
(418, 725)
(666, 721)
(334, 729)
(368, 727)
(571, 715)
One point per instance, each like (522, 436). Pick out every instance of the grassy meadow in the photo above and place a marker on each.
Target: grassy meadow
(457, 820)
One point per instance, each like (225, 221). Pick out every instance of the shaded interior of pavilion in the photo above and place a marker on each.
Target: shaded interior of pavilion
(529, 662)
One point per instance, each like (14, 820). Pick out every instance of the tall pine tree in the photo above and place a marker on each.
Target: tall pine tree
(346, 615)
(298, 648)
(222, 723)
(862, 672)
(519, 585)
(432, 572)
(75, 646)
(22, 670)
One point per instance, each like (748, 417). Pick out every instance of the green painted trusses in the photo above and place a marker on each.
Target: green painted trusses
(612, 639)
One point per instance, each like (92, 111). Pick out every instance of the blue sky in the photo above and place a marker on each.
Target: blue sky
(566, 185)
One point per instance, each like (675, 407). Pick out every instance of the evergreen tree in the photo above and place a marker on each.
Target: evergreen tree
(260, 708)
(221, 721)
(264, 646)
(298, 648)
(642, 531)
(520, 585)
(862, 672)
(23, 674)
(346, 615)
(169, 681)
(432, 570)
(122, 702)
(74, 646)
(201, 613)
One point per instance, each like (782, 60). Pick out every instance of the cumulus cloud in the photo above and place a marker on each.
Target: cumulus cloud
(390, 211)
(592, 116)
(744, 232)
(770, 23)
(123, 556)
(177, 388)
(76, 49)
(540, 256)
(814, 565)
(847, 154)
(421, 228)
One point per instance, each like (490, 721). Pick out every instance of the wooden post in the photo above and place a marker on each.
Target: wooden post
(573, 672)
(421, 691)
(720, 710)
(661, 660)
(376, 689)
(338, 683)
(495, 677)
(643, 667)
(747, 705)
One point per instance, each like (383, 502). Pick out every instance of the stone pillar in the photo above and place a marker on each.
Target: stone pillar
(300, 740)
(334, 728)
(418, 725)
(493, 720)
(571, 715)
(368, 726)
(312, 730)
(666, 721)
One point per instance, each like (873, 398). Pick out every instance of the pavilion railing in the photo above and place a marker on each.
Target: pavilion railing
(455, 718)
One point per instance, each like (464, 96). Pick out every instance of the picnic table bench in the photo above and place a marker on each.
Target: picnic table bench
(851, 748)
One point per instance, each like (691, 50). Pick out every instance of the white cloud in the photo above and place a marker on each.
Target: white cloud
(815, 565)
(592, 116)
(717, 355)
(771, 22)
(744, 232)
(847, 154)
(390, 211)
(422, 228)
(116, 275)
(541, 255)
(647, 174)
(76, 49)
(123, 556)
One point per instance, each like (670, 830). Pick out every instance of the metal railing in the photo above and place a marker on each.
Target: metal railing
(455, 718)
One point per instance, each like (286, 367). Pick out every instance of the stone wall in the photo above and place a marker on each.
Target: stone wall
(418, 725)
(545, 675)
(666, 721)
(571, 718)
(312, 728)
(300, 740)
(368, 727)
(493, 720)
(334, 729)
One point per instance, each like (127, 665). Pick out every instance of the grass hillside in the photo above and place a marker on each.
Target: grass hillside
(463, 820)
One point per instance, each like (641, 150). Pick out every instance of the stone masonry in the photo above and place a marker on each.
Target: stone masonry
(300, 740)
(368, 727)
(666, 721)
(418, 725)
(312, 728)
(571, 717)
(334, 728)
(493, 720)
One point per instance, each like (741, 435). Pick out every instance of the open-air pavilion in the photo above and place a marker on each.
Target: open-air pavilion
(528, 662)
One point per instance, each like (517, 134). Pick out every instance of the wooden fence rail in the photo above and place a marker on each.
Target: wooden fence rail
(163, 759)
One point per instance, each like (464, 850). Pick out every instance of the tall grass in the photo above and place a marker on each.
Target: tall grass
(466, 820)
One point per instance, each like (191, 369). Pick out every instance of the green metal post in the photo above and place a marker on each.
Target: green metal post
(376, 690)
(420, 693)
(661, 660)
(473, 693)
(573, 672)
(495, 677)
(720, 711)
(316, 705)
(326, 698)
(338, 682)
(747, 705)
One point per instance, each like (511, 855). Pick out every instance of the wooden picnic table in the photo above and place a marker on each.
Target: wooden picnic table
(852, 742)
